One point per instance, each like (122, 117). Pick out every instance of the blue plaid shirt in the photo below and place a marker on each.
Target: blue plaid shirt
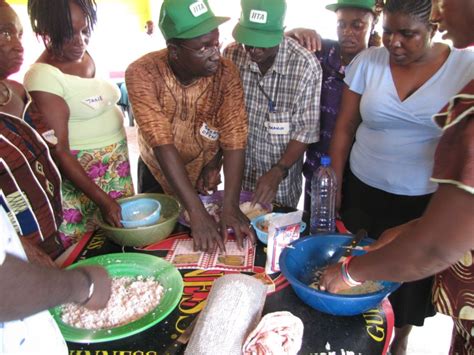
(294, 84)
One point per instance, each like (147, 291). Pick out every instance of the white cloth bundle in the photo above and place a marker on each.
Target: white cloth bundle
(233, 309)
(277, 333)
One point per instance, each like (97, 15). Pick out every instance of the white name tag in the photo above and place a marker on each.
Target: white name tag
(209, 133)
(198, 8)
(94, 102)
(50, 137)
(278, 127)
(258, 16)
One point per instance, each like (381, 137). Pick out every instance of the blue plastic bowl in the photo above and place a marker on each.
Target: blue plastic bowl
(299, 262)
(263, 236)
(140, 212)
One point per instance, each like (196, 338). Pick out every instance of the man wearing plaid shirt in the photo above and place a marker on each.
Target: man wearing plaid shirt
(282, 85)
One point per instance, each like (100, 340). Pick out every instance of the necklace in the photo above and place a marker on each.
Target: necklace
(9, 94)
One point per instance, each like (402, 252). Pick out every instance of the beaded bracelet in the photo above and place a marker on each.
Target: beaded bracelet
(346, 277)
(91, 285)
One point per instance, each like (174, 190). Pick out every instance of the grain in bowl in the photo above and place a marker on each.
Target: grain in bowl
(131, 298)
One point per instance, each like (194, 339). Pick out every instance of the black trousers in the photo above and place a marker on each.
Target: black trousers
(145, 179)
(376, 210)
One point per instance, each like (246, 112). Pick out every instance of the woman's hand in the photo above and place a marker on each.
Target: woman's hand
(389, 235)
(111, 212)
(331, 279)
(310, 39)
(235, 219)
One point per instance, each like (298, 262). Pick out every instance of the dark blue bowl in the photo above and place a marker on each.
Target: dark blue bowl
(298, 263)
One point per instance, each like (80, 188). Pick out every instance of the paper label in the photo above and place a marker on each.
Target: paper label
(50, 137)
(94, 102)
(278, 127)
(208, 132)
(258, 16)
(198, 8)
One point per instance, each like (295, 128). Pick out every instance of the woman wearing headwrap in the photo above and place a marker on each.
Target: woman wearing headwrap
(30, 194)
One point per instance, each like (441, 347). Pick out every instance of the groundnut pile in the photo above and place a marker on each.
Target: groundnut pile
(131, 299)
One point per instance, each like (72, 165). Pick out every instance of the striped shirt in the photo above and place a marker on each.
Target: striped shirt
(294, 85)
(30, 185)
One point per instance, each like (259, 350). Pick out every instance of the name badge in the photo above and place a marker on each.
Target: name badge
(50, 137)
(94, 101)
(209, 133)
(278, 127)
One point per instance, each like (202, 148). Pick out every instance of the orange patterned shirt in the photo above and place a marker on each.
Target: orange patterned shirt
(199, 118)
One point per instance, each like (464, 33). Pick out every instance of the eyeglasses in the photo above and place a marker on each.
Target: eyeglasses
(204, 51)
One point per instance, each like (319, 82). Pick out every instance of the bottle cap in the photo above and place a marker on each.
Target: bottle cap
(325, 160)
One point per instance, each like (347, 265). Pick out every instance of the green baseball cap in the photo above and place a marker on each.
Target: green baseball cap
(360, 4)
(261, 23)
(187, 19)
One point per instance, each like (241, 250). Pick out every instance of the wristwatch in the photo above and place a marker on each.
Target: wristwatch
(282, 168)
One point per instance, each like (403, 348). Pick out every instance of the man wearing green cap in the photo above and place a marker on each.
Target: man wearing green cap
(189, 107)
(282, 85)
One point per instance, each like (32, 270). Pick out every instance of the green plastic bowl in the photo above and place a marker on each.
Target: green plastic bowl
(128, 265)
(142, 236)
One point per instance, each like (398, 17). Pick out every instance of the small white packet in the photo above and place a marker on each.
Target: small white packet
(282, 231)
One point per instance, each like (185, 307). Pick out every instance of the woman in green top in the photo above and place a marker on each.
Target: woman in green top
(91, 148)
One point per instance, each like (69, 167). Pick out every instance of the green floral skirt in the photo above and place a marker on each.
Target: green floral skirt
(109, 168)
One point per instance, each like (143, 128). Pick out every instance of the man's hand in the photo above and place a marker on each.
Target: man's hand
(267, 186)
(205, 232)
(331, 279)
(208, 180)
(210, 176)
(309, 39)
(234, 218)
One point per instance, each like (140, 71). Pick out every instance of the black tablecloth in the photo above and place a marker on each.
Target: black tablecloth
(368, 333)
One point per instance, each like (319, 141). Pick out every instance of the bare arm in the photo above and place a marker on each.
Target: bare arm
(436, 241)
(204, 228)
(55, 111)
(439, 239)
(50, 287)
(267, 184)
(232, 216)
(347, 122)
